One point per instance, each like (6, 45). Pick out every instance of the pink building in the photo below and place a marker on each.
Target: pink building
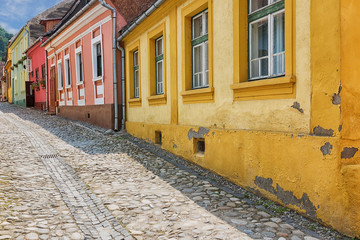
(36, 56)
(81, 65)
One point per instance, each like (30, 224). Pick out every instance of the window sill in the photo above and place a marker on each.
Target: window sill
(157, 99)
(61, 89)
(275, 88)
(134, 102)
(79, 83)
(68, 87)
(203, 95)
(97, 79)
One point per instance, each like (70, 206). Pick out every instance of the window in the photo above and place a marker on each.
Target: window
(67, 71)
(159, 65)
(133, 73)
(43, 71)
(60, 74)
(264, 48)
(79, 65)
(37, 74)
(197, 52)
(266, 39)
(199, 43)
(98, 60)
(136, 74)
(97, 57)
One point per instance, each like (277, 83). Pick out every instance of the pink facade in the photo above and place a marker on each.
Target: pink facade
(80, 65)
(36, 56)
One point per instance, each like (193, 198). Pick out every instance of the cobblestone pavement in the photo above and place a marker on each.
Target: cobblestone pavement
(154, 195)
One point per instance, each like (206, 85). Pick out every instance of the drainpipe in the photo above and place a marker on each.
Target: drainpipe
(122, 85)
(46, 78)
(116, 107)
(121, 37)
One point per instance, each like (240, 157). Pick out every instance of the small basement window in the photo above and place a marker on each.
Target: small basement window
(158, 137)
(199, 145)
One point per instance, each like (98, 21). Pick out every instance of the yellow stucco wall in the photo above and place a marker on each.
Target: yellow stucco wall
(153, 113)
(290, 156)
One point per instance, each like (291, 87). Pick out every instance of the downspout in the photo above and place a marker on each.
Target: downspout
(122, 85)
(121, 37)
(46, 78)
(116, 107)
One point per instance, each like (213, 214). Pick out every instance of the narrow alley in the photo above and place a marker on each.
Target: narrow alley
(61, 179)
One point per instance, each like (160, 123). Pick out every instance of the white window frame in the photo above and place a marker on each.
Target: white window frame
(270, 56)
(204, 72)
(136, 69)
(94, 42)
(67, 67)
(78, 51)
(159, 85)
(60, 75)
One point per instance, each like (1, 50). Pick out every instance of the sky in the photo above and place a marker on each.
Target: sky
(15, 13)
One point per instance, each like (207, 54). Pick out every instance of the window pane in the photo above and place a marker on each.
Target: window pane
(197, 26)
(136, 83)
(255, 69)
(98, 49)
(68, 76)
(159, 46)
(279, 64)
(159, 77)
(198, 61)
(257, 4)
(206, 22)
(136, 58)
(279, 33)
(206, 78)
(259, 39)
(264, 67)
(80, 67)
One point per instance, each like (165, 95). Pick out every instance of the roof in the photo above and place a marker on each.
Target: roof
(58, 11)
(35, 28)
(76, 7)
(132, 9)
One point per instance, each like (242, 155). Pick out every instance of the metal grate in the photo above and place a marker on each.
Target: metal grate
(49, 156)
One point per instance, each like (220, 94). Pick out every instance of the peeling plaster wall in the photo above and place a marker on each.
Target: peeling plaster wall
(288, 168)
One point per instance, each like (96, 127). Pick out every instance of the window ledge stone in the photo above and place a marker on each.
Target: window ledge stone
(275, 88)
(157, 99)
(134, 102)
(203, 95)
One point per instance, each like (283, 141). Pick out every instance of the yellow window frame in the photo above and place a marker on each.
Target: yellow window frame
(153, 98)
(273, 88)
(133, 102)
(189, 95)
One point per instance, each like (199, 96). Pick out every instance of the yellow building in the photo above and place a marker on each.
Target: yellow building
(263, 94)
(19, 43)
(8, 76)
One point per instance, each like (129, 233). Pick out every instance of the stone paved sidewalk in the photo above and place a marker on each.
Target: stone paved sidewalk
(154, 198)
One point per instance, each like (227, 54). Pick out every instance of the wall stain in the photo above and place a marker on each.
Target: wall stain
(336, 99)
(319, 131)
(287, 197)
(200, 134)
(348, 152)
(326, 149)
(296, 105)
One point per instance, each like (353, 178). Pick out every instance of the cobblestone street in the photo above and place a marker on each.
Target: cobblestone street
(62, 179)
